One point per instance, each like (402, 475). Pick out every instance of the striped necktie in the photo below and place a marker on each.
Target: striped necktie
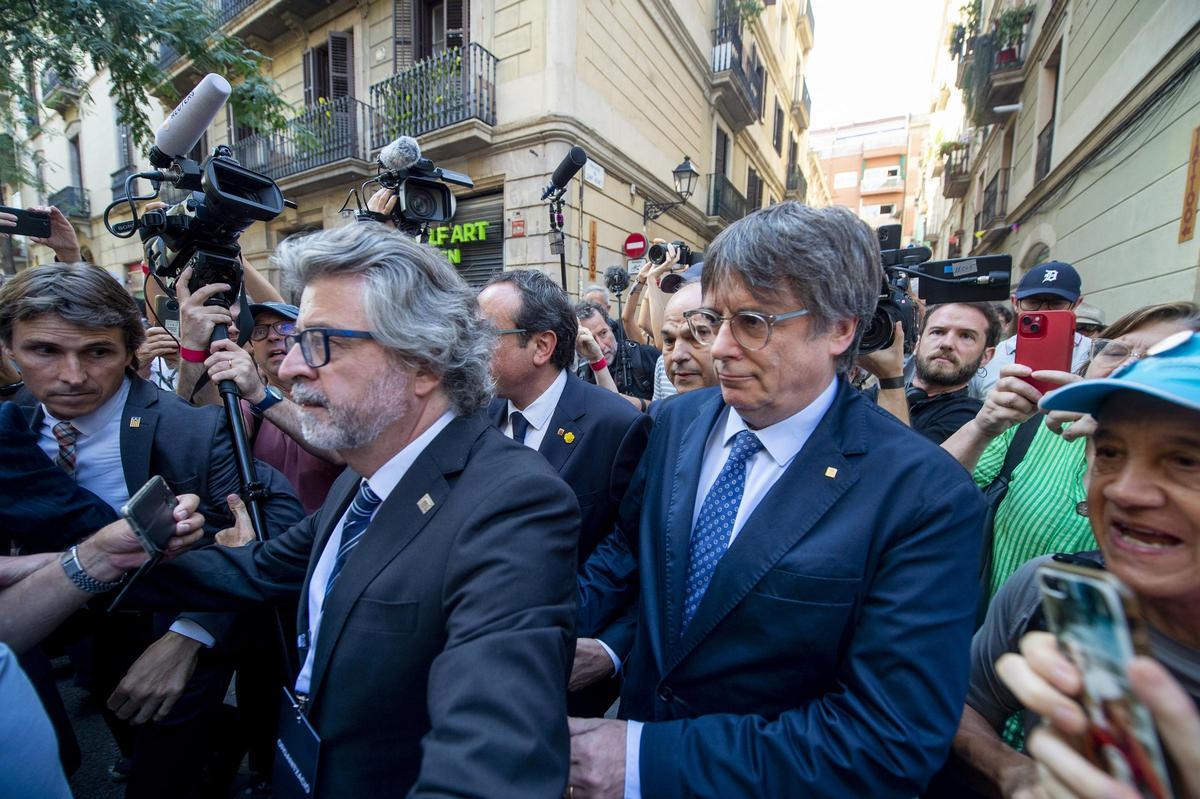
(354, 524)
(66, 434)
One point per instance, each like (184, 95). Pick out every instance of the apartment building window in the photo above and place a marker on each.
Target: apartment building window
(754, 189)
(440, 25)
(1047, 104)
(777, 130)
(329, 69)
(31, 110)
(845, 180)
(792, 152)
(235, 131)
(721, 154)
(75, 161)
(124, 145)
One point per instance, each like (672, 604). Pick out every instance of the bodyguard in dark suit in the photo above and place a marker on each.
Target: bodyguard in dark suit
(437, 583)
(802, 556)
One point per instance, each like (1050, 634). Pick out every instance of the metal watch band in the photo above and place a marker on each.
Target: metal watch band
(79, 576)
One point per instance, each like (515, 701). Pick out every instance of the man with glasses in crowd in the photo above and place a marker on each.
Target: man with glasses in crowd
(801, 554)
(1052, 286)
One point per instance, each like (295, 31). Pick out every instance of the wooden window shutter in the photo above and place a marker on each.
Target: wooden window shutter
(310, 77)
(341, 67)
(457, 19)
(403, 16)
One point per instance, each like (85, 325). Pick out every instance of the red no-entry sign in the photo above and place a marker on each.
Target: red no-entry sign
(635, 245)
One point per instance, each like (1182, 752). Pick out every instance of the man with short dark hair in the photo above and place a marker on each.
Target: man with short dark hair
(801, 555)
(957, 338)
(630, 364)
(1052, 286)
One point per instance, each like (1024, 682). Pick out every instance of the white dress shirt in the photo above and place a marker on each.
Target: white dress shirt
(781, 442)
(538, 412)
(383, 482)
(1006, 353)
(97, 448)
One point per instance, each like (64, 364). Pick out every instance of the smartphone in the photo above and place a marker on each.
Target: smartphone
(1099, 629)
(1045, 340)
(151, 514)
(166, 312)
(29, 223)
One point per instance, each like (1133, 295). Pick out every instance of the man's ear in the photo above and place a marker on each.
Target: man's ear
(988, 354)
(543, 347)
(841, 335)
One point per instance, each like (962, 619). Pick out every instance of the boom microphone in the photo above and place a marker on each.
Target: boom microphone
(401, 154)
(185, 125)
(566, 170)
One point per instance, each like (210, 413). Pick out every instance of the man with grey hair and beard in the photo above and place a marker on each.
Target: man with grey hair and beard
(801, 555)
(437, 583)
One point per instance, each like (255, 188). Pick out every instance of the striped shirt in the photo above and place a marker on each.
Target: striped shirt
(1037, 516)
(663, 387)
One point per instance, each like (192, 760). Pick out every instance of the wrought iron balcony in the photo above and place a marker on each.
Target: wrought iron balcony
(956, 176)
(797, 184)
(801, 103)
(724, 201)
(319, 135)
(455, 86)
(739, 94)
(1005, 71)
(58, 93)
(1045, 146)
(990, 220)
(118, 181)
(808, 25)
(72, 201)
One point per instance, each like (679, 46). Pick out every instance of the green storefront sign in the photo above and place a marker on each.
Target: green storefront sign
(451, 237)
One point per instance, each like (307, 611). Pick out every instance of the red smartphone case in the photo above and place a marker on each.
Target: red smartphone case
(1045, 340)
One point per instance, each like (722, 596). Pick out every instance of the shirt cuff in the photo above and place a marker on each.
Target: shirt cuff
(612, 655)
(191, 629)
(633, 749)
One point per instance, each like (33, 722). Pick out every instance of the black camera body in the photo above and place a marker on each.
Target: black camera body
(657, 254)
(423, 195)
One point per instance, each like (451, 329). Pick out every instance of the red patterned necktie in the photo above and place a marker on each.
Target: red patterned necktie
(66, 434)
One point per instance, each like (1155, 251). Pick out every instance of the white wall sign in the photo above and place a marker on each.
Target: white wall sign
(593, 173)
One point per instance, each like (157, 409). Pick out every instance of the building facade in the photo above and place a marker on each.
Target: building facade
(500, 90)
(1077, 139)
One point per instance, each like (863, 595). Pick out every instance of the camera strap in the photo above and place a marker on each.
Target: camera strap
(245, 325)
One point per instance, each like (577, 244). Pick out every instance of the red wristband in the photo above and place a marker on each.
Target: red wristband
(193, 356)
(599, 366)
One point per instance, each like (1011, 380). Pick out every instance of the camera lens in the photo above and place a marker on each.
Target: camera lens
(1034, 327)
(421, 204)
(657, 253)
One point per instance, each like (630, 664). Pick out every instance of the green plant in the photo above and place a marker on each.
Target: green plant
(1010, 26)
(747, 10)
(947, 147)
(971, 12)
(958, 35)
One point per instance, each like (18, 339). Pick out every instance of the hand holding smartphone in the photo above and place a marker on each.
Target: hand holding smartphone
(1098, 627)
(1045, 340)
(29, 223)
(151, 514)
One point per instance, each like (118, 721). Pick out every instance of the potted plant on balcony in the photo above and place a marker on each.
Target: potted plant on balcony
(958, 36)
(1010, 33)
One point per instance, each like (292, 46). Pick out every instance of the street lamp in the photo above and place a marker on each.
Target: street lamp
(685, 183)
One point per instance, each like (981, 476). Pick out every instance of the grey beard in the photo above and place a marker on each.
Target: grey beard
(346, 428)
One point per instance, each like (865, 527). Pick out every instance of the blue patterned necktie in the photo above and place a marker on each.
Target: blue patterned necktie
(355, 523)
(520, 426)
(710, 538)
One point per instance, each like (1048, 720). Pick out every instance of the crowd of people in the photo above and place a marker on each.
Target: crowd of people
(500, 544)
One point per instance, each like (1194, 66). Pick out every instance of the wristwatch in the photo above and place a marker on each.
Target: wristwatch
(79, 576)
(271, 398)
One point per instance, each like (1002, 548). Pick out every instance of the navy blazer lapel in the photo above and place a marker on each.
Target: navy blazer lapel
(497, 410)
(339, 498)
(818, 475)
(572, 406)
(396, 524)
(677, 537)
(138, 422)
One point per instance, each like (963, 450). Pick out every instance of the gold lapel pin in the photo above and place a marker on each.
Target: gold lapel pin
(569, 438)
(830, 472)
(135, 421)
(425, 504)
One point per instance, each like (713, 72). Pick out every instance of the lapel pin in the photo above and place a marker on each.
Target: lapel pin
(569, 438)
(830, 472)
(425, 504)
(135, 421)
(560, 431)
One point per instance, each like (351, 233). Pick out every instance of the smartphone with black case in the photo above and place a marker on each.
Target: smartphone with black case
(29, 223)
(151, 514)
(1099, 629)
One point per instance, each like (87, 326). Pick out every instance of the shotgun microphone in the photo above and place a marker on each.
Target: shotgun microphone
(566, 170)
(185, 125)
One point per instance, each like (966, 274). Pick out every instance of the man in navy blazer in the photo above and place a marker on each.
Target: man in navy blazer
(802, 557)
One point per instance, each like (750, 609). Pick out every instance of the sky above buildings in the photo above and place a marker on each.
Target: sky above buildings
(872, 58)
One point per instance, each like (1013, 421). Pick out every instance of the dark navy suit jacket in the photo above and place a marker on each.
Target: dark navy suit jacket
(829, 655)
(607, 437)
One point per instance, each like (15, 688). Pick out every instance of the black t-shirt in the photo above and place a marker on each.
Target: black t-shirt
(940, 416)
(641, 359)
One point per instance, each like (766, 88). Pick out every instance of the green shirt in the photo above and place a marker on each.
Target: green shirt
(1037, 516)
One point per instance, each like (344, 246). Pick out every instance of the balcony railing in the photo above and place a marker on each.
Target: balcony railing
(808, 17)
(797, 184)
(957, 174)
(118, 181)
(995, 201)
(221, 10)
(728, 57)
(802, 101)
(1045, 145)
(57, 92)
(724, 200)
(452, 87)
(72, 201)
(886, 183)
(321, 134)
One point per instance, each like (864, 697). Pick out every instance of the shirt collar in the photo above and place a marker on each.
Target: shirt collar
(389, 475)
(538, 412)
(784, 439)
(92, 423)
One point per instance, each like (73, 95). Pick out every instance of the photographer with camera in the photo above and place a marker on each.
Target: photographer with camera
(604, 348)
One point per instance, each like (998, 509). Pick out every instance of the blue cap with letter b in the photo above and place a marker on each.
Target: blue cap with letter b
(1053, 277)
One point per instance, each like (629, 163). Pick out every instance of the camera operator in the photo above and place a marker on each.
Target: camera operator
(604, 347)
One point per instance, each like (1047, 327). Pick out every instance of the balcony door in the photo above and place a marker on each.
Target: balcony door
(439, 25)
(330, 117)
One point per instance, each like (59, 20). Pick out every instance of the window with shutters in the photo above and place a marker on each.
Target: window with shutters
(721, 158)
(329, 69)
(777, 130)
(434, 26)
(124, 145)
(754, 190)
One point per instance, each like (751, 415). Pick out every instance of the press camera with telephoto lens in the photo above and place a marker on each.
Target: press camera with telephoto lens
(658, 254)
(981, 279)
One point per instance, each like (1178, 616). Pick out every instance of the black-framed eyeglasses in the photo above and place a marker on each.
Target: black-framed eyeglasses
(1031, 304)
(260, 332)
(750, 329)
(314, 343)
(507, 331)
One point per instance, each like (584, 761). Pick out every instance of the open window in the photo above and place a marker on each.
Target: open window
(329, 69)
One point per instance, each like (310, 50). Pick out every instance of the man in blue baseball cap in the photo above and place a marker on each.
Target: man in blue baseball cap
(1052, 286)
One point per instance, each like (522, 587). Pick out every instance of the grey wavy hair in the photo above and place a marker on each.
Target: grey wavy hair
(416, 304)
(826, 258)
